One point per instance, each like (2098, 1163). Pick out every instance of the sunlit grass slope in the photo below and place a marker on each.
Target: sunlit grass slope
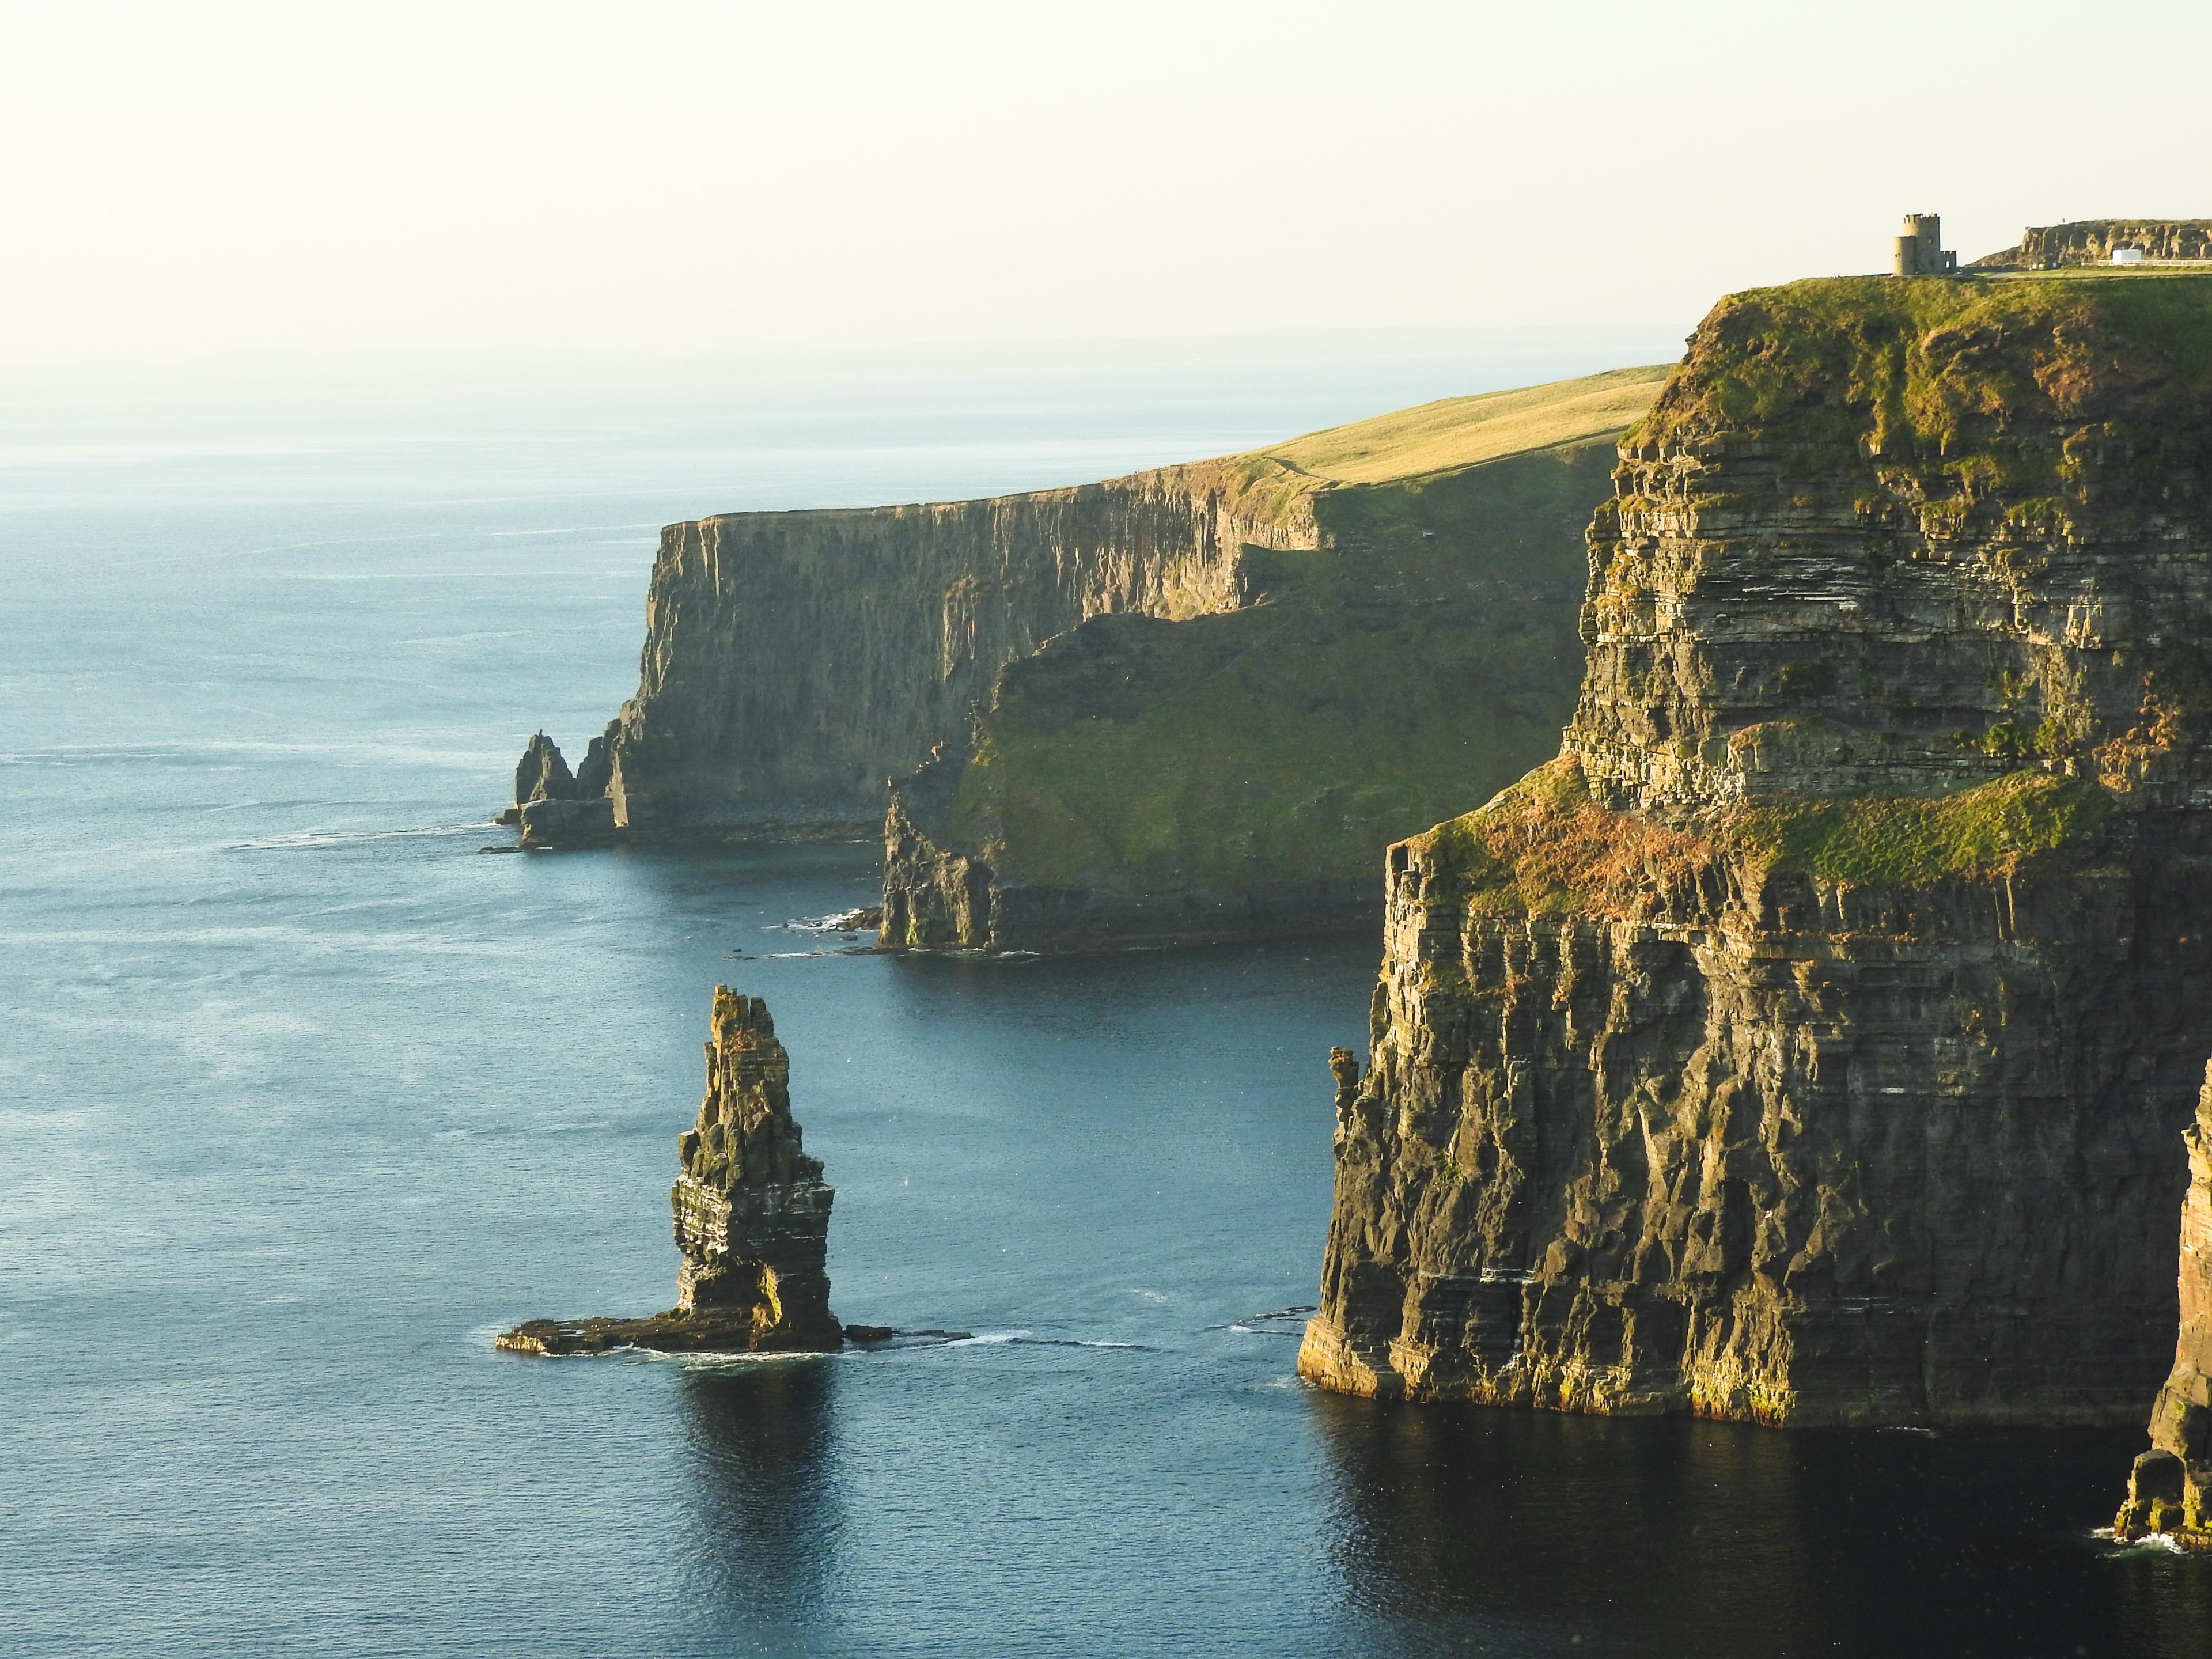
(1421, 659)
(1457, 432)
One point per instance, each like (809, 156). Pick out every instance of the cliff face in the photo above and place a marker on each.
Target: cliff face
(794, 660)
(2170, 1492)
(2091, 242)
(752, 1216)
(1233, 775)
(1807, 1043)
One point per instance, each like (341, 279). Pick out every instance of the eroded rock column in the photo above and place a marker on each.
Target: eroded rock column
(752, 1217)
(752, 1212)
(2170, 1490)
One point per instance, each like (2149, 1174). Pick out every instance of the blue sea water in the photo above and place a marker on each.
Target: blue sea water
(302, 1097)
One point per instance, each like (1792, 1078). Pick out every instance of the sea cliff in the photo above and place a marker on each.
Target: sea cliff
(1809, 1041)
(792, 661)
(1145, 779)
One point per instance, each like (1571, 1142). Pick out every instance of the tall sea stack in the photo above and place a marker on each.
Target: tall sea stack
(752, 1216)
(2170, 1490)
(1810, 1042)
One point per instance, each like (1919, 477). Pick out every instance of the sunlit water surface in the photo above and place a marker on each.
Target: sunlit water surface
(305, 1098)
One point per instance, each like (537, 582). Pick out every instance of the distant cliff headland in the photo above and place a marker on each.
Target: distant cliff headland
(1194, 702)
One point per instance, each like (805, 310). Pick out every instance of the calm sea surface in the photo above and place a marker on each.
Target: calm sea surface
(302, 1099)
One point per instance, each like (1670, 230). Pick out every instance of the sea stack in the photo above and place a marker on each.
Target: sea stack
(2170, 1492)
(752, 1216)
(554, 808)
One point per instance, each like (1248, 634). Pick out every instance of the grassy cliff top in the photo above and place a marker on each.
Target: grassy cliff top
(1457, 432)
(1278, 483)
(1937, 365)
(1288, 742)
(1544, 847)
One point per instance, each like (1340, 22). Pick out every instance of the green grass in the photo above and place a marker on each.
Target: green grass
(1314, 745)
(1544, 846)
(1280, 482)
(1915, 842)
(1397, 672)
(1990, 380)
(1390, 679)
(1460, 432)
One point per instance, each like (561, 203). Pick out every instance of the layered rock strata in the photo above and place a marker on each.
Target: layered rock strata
(2170, 1489)
(752, 1217)
(1807, 1043)
(794, 662)
(2093, 242)
(1233, 775)
(554, 807)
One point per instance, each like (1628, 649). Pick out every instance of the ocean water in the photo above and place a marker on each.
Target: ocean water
(303, 1097)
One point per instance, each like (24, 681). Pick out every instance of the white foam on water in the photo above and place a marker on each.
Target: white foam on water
(306, 839)
(719, 1362)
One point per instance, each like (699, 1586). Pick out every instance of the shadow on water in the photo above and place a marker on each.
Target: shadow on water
(1469, 1530)
(766, 1513)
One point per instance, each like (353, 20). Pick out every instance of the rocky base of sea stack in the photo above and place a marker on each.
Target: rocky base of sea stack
(2164, 1503)
(718, 1330)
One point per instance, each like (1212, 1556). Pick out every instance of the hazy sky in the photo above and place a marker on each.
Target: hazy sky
(189, 178)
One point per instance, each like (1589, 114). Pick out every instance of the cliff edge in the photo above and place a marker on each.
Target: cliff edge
(794, 662)
(1145, 779)
(1807, 1043)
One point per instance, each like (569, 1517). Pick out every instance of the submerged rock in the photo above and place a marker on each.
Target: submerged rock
(752, 1217)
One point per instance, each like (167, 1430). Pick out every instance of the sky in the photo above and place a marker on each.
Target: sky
(666, 176)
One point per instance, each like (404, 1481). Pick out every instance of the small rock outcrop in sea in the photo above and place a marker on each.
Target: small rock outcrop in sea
(752, 1217)
(554, 808)
(2170, 1490)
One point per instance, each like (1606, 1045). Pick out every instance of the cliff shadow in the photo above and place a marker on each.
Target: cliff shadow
(766, 1513)
(1464, 1528)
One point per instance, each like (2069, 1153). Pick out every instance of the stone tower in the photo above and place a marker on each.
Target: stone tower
(1920, 251)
